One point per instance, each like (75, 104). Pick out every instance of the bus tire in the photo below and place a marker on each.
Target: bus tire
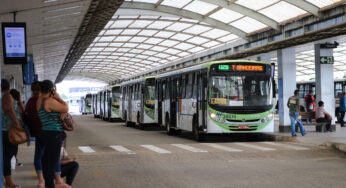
(127, 123)
(196, 134)
(170, 131)
(140, 125)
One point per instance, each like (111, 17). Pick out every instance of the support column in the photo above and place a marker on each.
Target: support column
(1, 155)
(325, 80)
(264, 57)
(286, 83)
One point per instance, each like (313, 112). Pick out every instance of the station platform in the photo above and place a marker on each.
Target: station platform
(26, 176)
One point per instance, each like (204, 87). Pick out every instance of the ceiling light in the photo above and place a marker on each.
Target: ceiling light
(49, 1)
(62, 9)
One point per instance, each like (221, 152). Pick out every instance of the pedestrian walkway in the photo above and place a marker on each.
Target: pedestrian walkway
(191, 148)
(26, 177)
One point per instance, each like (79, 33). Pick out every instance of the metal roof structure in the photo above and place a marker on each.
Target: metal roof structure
(145, 34)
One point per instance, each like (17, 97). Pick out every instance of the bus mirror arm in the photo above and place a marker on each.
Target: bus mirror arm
(274, 88)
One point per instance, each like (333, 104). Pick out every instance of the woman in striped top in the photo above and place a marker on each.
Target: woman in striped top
(49, 106)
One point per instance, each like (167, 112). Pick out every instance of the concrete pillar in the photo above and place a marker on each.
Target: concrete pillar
(264, 57)
(325, 80)
(286, 83)
(1, 155)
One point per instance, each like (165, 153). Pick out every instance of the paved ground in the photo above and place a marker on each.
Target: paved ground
(114, 156)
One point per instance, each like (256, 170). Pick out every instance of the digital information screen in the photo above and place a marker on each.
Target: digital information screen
(242, 68)
(14, 43)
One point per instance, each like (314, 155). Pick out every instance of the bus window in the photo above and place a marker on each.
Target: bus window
(194, 89)
(338, 88)
(301, 90)
(306, 90)
(183, 86)
(189, 85)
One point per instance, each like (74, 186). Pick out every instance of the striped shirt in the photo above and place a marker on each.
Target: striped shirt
(50, 121)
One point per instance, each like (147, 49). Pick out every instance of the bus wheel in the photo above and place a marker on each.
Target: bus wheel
(140, 125)
(170, 131)
(196, 134)
(127, 123)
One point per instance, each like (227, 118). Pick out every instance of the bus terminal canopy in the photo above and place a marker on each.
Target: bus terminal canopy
(146, 34)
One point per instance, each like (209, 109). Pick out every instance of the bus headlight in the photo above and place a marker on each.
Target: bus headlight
(270, 116)
(212, 115)
(216, 118)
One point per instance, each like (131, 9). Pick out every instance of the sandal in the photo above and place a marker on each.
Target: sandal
(62, 185)
(41, 185)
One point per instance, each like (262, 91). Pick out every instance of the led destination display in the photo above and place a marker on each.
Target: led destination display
(240, 68)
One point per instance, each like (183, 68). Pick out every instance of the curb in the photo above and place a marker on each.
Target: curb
(279, 138)
(338, 146)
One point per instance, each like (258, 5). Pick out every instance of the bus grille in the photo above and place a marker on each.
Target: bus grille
(238, 121)
(235, 128)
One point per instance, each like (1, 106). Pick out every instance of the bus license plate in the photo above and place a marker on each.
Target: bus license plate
(243, 127)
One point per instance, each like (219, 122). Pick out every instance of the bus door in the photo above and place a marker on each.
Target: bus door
(202, 99)
(159, 101)
(109, 103)
(173, 101)
(129, 112)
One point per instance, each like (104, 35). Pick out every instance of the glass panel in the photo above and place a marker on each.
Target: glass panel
(240, 91)
(282, 11)
(115, 96)
(215, 33)
(150, 93)
(179, 26)
(169, 43)
(338, 88)
(256, 4)
(323, 3)
(164, 34)
(181, 36)
(159, 24)
(184, 46)
(197, 29)
(248, 24)
(198, 40)
(200, 7)
(174, 3)
(226, 15)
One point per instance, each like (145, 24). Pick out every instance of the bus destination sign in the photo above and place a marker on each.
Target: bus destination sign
(242, 68)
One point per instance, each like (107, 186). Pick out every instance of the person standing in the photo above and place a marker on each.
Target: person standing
(19, 110)
(49, 106)
(294, 112)
(342, 108)
(309, 99)
(9, 119)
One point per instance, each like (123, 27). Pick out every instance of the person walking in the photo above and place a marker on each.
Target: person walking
(323, 116)
(49, 106)
(342, 108)
(9, 119)
(295, 114)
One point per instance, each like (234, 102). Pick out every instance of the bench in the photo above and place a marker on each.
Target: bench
(320, 127)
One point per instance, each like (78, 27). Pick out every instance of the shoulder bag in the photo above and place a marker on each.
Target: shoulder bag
(17, 135)
(65, 119)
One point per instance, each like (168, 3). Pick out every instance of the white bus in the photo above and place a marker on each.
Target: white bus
(230, 96)
(138, 102)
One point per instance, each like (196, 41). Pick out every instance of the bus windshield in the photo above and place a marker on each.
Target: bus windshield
(150, 94)
(115, 96)
(88, 100)
(240, 91)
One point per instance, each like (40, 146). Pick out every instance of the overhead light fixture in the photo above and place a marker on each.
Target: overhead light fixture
(49, 1)
(62, 15)
(62, 9)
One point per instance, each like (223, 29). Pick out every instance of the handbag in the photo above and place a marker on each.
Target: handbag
(65, 119)
(17, 135)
